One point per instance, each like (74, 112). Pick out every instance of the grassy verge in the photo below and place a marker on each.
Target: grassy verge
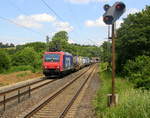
(133, 103)
(22, 68)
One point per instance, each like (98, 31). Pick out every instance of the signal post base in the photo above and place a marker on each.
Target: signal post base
(109, 100)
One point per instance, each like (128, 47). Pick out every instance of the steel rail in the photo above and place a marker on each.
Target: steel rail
(20, 87)
(25, 92)
(20, 94)
(39, 106)
(65, 111)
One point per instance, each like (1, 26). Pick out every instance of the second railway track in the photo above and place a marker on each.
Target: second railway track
(19, 91)
(58, 103)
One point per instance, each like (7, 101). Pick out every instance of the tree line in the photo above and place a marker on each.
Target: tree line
(6, 45)
(29, 56)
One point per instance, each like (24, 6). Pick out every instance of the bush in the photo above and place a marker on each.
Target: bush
(138, 71)
(37, 46)
(27, 56)
(4, 61)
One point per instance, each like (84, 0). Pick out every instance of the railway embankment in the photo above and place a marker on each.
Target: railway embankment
(132, 103)
(16, 77)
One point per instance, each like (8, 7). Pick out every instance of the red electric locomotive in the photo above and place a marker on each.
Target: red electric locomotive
(57, 63)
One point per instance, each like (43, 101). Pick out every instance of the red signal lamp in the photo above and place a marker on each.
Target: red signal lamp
(120, 6)
(108, 19)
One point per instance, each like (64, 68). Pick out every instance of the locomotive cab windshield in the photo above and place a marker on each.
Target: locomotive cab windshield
(52, 57)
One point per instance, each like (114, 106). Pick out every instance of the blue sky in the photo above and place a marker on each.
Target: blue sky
(82, 19)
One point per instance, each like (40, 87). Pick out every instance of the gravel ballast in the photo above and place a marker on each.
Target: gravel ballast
(16, 109)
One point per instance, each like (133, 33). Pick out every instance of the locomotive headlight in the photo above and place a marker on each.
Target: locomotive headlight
(57, 67)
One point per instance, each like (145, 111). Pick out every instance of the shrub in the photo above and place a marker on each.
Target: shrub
(37, 46)
(138, 71)
(4, 61)
(27, 56)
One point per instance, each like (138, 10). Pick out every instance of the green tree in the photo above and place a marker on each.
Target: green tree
(138, 71)
(27, 56)
(59, 41)
(4, 61)
(6, 45)
(37, 46)
(133, 38)
(106, 51)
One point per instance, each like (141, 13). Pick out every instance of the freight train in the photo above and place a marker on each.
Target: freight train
(60, 63)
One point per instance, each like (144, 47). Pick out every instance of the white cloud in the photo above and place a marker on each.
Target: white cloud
(28, 23)
(131, 11)
(52, 34)
(85, 1)
(118, 23)
(43, 18)
(63, 26)
(100, 42)
(128, 11)
(99, 22)
(97, 41)
(17, 40)
(70, 41)
(95, 23)
(34, 21)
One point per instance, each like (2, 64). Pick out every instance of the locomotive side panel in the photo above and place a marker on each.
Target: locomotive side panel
(67, 62)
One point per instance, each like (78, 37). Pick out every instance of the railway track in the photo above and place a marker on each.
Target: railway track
(65, 112)
(58, 103)
(13, 93)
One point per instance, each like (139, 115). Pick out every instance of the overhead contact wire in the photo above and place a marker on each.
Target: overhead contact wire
(51, 9)
(12, 22)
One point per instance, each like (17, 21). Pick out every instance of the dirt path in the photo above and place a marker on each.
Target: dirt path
(85, 109)
(12, 78)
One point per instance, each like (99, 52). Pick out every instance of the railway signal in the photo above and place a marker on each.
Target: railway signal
(111, 15)
(106, 7)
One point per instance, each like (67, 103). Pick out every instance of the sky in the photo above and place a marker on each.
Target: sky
(24, 21)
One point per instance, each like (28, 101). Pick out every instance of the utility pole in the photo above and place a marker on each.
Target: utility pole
(47, 42)
(113, 65)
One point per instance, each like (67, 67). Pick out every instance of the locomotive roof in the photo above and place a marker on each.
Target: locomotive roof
(61, 52)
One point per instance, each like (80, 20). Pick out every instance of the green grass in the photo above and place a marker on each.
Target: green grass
(17, 69)
(21, 68)
(22, 74)
(133, 103)
(103, 66)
